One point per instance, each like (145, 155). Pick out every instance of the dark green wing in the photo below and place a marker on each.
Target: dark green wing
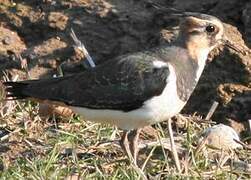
(122, 84)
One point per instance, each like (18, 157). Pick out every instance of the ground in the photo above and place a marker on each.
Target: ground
(58, 146)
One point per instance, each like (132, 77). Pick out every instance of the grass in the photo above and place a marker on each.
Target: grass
(68, 148)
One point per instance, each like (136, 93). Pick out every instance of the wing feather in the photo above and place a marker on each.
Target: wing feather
(121, 84)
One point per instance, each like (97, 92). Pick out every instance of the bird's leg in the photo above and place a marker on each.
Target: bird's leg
(173, 147)
(125, 144)
(134, 139)
(129, 142)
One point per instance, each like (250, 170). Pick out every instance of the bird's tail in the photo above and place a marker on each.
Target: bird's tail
(14, 90)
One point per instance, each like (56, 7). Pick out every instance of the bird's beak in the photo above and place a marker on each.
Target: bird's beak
(240, 49)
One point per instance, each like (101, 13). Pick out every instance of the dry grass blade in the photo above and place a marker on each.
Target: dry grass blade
(162, 142)
(8, 135)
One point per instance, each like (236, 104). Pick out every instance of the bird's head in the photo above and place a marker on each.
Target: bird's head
(202, 30)
(198, 31)
(201, 33)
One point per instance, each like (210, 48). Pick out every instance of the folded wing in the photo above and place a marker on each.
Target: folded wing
(120, 84)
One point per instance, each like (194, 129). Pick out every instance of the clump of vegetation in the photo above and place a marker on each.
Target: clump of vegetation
(57, 147)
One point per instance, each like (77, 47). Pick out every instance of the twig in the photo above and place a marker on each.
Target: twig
(28, 142)
(249, 122)
(81, 46)
(24, 65)
(8, 135)
(212, 110)
(174, 151)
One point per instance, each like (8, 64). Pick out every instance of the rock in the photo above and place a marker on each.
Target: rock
(221, 137)
(7, 40)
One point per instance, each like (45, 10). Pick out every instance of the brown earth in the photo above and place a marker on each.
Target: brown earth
(39, 31)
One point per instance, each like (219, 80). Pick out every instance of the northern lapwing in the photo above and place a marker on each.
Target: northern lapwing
(138, 89)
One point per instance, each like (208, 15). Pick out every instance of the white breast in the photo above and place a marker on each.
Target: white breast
(168, 103)
(201, 63)
(157, 109)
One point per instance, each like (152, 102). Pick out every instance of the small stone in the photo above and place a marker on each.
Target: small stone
(221, 137)
(6, 40)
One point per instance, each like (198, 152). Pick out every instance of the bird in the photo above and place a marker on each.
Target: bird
(137, 89)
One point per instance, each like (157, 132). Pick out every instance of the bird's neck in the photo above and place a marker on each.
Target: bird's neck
(189, 62)
(200, 58)
(198, 52)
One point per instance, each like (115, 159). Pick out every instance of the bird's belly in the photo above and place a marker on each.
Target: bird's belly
(124, 120)
(146, 115)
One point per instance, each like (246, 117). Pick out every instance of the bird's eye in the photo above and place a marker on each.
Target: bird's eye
(210, 29)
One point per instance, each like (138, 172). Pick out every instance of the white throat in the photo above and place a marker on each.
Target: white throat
(202, 57)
